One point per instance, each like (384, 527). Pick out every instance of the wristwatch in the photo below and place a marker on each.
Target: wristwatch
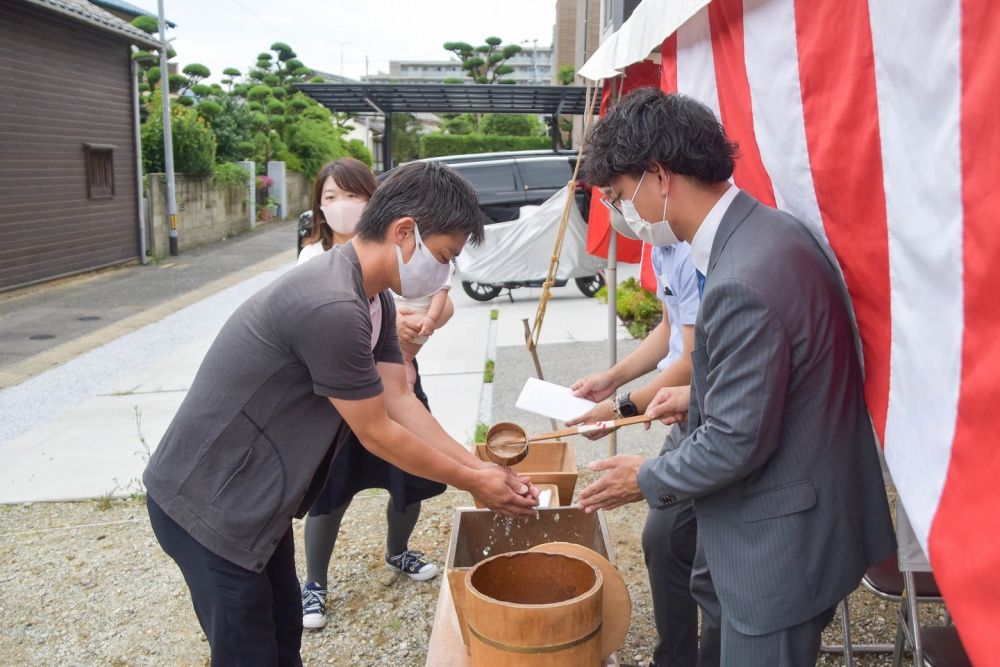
(623, 406)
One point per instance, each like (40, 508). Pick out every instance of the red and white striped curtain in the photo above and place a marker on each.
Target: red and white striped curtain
(877, 123)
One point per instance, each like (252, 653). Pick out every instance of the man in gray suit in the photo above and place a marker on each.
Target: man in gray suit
(779, 454)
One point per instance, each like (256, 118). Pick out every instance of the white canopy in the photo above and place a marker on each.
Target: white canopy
(647, 27)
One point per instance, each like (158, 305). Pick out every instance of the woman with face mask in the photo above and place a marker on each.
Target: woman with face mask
(342, 189)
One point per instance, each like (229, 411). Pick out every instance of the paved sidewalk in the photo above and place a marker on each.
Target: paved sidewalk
(84, 428)
(45, 325)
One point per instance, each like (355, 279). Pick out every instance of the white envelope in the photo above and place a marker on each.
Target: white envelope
(551, 400)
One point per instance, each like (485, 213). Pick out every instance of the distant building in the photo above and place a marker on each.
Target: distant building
(614, 13)
(576, 34)
(69, 196)
(531, 66)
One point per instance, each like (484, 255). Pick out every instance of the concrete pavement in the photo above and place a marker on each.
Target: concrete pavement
(84, 428)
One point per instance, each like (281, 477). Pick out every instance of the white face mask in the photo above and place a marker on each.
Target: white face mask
(342, 215)
(423, 275)
(653, 233)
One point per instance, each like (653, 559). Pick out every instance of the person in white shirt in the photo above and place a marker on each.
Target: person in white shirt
(430, 313)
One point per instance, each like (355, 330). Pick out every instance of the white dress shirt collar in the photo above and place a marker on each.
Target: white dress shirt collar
(701, 244)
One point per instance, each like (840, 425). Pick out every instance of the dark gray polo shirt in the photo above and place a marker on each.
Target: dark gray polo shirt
(251, 445)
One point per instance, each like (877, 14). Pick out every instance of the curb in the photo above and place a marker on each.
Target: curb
(486, 397)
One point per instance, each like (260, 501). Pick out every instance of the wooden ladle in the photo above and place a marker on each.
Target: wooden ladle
(507, 443)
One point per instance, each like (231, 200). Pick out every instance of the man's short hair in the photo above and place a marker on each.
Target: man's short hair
(433, 194)
(648, 127)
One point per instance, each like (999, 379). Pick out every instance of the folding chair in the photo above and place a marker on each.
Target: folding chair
(883, 580)
(886, 580)
(937, 646)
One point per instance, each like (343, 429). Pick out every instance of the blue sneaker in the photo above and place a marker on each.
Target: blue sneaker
(412, 564)
(313, 606)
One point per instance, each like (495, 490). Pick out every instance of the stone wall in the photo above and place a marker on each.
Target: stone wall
(299, 194)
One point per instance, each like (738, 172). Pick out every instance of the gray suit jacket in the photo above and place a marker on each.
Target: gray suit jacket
(779, 455)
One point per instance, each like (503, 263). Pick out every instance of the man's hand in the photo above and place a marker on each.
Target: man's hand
(670, 405)
(619, 486)
(407, 325)
(596, 387)
(505, 492)
(602, 411)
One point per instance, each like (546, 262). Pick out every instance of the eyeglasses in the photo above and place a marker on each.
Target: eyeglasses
(612, 204)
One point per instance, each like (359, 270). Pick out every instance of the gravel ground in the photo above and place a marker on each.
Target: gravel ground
(87, 584)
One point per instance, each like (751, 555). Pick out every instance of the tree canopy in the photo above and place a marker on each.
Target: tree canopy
(485, 63)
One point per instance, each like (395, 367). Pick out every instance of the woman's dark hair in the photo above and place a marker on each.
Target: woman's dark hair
(647, 127)
(350, 175)
(433, 194)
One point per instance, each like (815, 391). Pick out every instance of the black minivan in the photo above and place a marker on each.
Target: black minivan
(505, 182)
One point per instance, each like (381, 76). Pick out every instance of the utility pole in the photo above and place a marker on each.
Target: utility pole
(168, 140)
(337, 41)
(534, 64)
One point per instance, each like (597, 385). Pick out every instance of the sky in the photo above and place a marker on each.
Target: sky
(230, 33)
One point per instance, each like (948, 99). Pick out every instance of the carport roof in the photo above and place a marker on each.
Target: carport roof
(448, 98)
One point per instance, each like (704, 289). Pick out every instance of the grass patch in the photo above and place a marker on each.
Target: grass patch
(494, 314)
(481, 431)
(639, 309)
(488, 373)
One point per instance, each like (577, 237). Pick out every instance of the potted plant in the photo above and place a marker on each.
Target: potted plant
(269, 211)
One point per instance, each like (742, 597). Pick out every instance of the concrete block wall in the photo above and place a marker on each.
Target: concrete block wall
(205, 212)
(299, 194)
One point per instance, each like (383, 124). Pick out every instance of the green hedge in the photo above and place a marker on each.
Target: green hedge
(437, 143)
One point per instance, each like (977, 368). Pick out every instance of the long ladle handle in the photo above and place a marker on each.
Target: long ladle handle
(577, 430)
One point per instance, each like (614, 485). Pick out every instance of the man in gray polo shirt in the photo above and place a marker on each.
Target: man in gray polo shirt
(297, 366)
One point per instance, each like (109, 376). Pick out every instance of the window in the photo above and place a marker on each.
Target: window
(489, 177)
(100, 164)
(545, 173)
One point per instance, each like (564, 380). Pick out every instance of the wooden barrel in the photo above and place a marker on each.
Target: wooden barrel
(534, 609)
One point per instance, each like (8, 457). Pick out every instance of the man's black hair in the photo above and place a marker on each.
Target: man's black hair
(648, 127)
(433, 194)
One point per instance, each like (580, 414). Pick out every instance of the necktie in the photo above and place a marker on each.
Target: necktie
(701, 282)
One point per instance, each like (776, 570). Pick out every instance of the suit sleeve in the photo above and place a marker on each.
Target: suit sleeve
(747, 359)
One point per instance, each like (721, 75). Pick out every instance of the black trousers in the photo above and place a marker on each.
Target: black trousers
(250, 618)
(669, 545)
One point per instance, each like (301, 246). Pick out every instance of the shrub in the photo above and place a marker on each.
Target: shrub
(313, 143)
(437, 143)
(194, 142)
(231, 175)
(357, 150)
(510, 124)
(639, 309)
(232, 126)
